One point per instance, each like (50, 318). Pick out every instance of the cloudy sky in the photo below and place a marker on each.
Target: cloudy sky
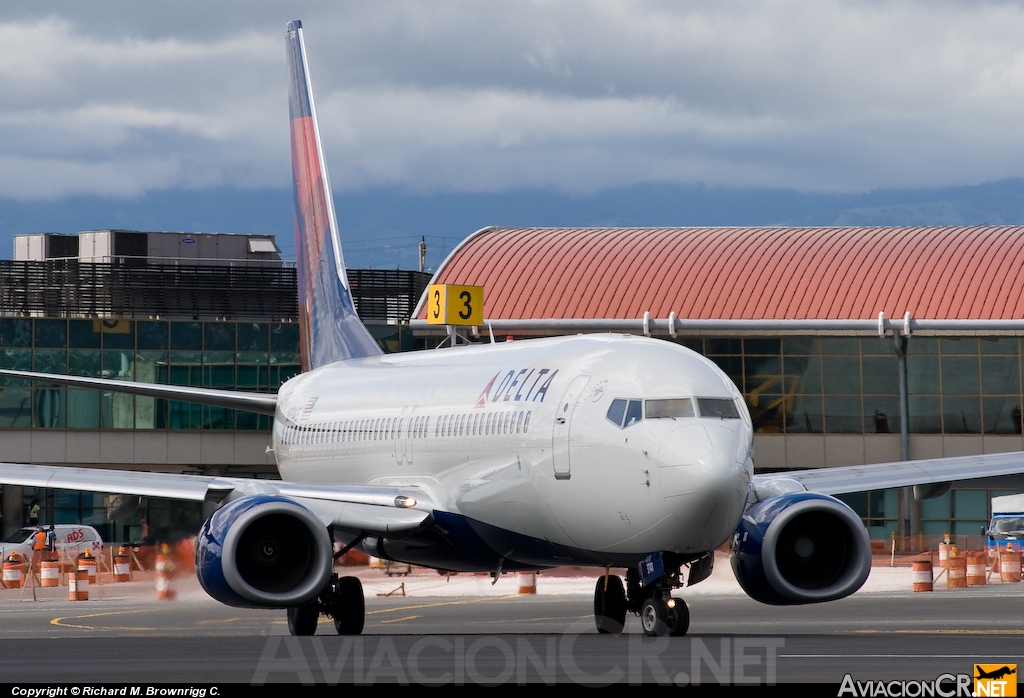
(116, 101)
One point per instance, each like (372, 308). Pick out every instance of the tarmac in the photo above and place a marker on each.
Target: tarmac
(428, 628)
(888, 575)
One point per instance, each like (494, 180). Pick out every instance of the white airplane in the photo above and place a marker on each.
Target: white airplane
(608, 451)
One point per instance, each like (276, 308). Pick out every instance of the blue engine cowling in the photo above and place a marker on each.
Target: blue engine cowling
(800, 547)
(264, 551)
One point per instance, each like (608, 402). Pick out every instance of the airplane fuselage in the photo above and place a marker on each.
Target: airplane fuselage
(518, 441)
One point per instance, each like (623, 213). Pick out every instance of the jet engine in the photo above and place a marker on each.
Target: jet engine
(800, 547)
(264, 551)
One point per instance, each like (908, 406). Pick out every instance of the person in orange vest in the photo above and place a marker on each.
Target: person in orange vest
(38, 546)
(39, 539)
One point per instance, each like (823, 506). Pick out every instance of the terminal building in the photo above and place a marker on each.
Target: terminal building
(850, 345)
(201, 309)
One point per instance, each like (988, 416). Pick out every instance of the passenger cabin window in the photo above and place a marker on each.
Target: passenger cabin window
(625, 413)
(669, 409)
(722, 408)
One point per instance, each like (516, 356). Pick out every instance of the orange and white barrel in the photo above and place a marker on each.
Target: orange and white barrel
(122, 569)
(944, 553)
(923, 579)
(956, 572)
(977, 569)
(164, 570)
(1009, 566)
(527, 582)
(78, 586)
(13, 578)
(49, 573)
(89, 565)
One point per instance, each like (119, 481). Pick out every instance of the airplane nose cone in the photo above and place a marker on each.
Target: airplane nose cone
(704, 479)
(696, 452)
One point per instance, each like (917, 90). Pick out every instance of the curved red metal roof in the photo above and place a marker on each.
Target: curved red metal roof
(744, 273)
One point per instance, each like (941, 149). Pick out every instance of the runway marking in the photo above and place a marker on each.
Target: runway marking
(211, 622)
(439, 604)
(58, 621)
(528, 620)
(398, 620)
(938, 631)
(878, 656)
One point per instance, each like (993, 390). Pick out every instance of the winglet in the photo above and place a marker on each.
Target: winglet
(330, 329)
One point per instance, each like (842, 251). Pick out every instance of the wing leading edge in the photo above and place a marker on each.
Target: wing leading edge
(387, 511)
(861, 478)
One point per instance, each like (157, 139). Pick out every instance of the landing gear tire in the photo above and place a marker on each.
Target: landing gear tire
(609, 606)
(678, 618)
(302, 619)
(349, 610)
(654, 617)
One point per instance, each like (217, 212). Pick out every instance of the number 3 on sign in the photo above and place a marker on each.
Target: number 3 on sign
(455, 305)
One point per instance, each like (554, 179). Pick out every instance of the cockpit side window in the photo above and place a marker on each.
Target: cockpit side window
(722, 408)
(634, 412)
(625, 413)
(616, 412)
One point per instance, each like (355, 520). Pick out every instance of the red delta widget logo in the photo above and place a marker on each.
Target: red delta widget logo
(522, 385)
(995, 680)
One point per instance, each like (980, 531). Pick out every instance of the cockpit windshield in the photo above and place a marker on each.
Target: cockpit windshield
(669, 409)
(722, 408)
(624, 412)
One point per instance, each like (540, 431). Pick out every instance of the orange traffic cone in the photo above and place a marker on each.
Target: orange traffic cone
(164, 572)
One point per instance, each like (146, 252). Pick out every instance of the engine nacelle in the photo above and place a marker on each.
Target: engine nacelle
(264, 551)
(801, 547)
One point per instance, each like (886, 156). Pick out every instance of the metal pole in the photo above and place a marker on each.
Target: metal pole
(899, 345)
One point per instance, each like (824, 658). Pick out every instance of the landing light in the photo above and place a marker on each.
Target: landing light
(405, 502)
(671, 603)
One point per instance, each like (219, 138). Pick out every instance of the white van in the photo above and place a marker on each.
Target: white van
(72, 538)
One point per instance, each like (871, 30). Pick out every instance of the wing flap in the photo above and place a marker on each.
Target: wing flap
(861, 478)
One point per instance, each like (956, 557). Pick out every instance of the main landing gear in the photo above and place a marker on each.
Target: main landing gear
(342, 600)
(660, 612)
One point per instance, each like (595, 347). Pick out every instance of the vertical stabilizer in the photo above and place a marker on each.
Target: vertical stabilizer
(330, 329)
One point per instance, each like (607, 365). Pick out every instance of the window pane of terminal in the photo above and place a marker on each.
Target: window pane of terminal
(1000, 375)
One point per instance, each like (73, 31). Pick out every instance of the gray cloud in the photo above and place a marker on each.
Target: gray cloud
(117, 99)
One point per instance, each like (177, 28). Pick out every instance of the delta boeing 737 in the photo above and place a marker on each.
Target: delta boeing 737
(616, 452)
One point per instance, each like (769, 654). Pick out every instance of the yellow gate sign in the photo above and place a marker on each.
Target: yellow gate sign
(455, 305)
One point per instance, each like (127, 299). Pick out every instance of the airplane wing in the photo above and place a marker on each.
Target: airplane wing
(260, 403)
(861, 478)
(387, 511)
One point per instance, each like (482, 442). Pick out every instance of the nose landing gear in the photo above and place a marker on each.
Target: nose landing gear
(660, 613)
(659, 616)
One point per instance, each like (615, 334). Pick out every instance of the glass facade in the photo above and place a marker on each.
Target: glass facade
(157, 520)
(959, 512)
(849, 385)
(254, 356)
